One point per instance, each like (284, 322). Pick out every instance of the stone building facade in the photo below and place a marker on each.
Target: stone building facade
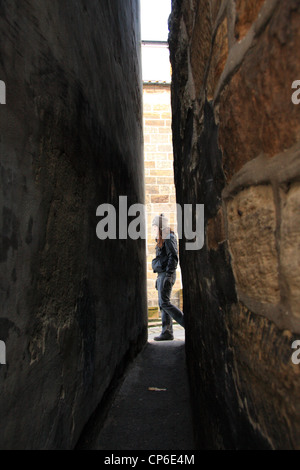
(237, 150)
(159, 174)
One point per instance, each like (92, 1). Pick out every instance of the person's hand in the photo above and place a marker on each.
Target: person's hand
(156, 285)
(168, 282)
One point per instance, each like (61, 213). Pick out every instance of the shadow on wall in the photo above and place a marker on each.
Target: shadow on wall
(71, 139)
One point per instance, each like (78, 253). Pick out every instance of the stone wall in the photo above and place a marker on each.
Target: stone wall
(73, 308)
(159, 174)
(236, 139)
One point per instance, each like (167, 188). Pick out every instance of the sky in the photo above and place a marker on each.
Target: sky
(154, 25)
(154, 19)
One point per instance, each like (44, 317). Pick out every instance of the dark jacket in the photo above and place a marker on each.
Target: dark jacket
(167, 256)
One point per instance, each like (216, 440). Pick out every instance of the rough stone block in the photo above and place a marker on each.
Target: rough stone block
(149, 164)
(151, 189)
(216, 231)
(215, 6)
(159, 139)
(256, 112)
(154, 122)
(167, 148)
(246, 14)
(200, 43)
(160, 199)
(219, 58)
(251, 218)
(290, 247)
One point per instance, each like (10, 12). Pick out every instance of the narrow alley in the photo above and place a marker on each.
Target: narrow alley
(151, 409)
(99, 153)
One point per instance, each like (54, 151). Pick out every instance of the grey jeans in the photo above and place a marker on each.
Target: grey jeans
(168, 310)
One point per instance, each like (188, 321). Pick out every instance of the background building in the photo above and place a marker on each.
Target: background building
(158, 148)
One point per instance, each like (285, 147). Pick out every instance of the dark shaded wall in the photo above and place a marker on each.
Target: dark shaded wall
(73, 308)
(236, 143)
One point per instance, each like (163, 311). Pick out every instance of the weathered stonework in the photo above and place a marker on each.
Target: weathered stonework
(290, 246)
(251, 218)
(236, 150)
(73, 308)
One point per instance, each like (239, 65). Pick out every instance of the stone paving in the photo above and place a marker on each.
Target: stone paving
(179, 333)
(151, 410)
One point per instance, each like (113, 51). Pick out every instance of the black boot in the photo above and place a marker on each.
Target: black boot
(166, 336)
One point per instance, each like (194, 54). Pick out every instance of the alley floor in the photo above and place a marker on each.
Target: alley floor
(151, 409)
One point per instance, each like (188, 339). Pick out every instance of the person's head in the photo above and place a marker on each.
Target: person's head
(161, 229)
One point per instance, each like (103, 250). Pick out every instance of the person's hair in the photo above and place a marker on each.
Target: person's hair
(161, 232)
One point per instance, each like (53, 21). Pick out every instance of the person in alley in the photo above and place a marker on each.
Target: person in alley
(165, 264)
